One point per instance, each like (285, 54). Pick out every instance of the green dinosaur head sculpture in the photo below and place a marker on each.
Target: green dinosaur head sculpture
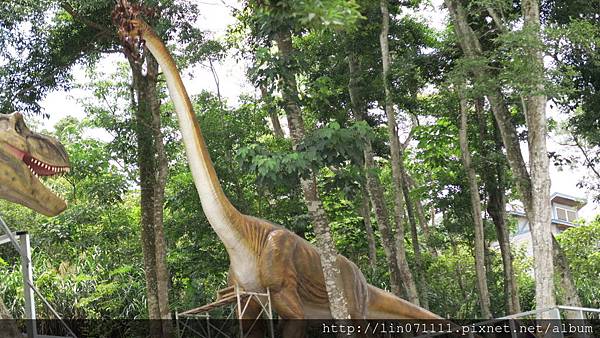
(24, 157)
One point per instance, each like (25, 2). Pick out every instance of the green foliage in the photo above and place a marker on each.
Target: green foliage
(452, 282)
(319, 13)
(575, 39)
(581, 245)
(327, 146)
(269, 17)
(57, 35)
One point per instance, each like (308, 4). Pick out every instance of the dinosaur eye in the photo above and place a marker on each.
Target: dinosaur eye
(18, 127)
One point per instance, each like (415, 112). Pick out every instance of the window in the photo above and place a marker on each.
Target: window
(566, 215)
(522, 227)
(571, 216)
(561, 214)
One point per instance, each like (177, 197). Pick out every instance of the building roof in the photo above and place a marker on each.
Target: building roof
(572, 201)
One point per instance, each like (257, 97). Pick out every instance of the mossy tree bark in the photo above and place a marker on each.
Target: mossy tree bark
(152, 182)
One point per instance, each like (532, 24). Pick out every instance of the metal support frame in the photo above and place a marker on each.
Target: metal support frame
(240, 301)
(27, 270)
(23, 247)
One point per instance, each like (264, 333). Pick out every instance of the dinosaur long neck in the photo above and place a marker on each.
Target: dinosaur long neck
(221, 214)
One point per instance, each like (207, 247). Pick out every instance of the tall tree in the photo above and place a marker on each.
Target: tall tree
(493, 173)
(395, 150)
(410, 212)
(152, 168)
(282, 21)
(534, 105)
(534, 185)
(479, 247)
(373, 183)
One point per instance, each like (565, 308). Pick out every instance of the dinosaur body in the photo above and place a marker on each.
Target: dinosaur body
(264, 255)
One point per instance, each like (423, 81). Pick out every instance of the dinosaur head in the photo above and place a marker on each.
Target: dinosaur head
(127, 17)
(24, 157)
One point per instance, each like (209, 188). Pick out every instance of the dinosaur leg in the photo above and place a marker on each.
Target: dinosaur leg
(278, 273)
(289, 307)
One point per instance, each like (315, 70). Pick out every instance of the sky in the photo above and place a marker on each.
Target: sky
(215, 18)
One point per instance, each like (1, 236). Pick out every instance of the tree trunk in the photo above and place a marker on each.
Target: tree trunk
(495, 183)
(146, 164)
(479, 248)
(535, 115)
(422, 282)
(375, 190)
(421, 217)
(365, 212)
(471, 47)
(8, 327)
(406, 275)
(458, 270)
(151, 169)
(570, 298)
(268, 99)
(497, 210)
(537, 207)
(373, 186)
(162, 272)
(337, 299)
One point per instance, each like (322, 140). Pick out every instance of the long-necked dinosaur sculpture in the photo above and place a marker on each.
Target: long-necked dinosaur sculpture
(263, 255)
(24, 156)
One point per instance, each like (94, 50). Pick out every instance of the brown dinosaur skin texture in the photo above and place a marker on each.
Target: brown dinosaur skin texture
(264, 255)
(24, 156)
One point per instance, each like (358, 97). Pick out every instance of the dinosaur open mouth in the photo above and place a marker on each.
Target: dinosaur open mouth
(36, 166)
(40, 168)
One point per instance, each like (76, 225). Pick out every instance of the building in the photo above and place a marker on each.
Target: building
(565, 211)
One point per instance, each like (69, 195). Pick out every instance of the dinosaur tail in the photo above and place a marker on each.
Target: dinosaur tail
(385, 305)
